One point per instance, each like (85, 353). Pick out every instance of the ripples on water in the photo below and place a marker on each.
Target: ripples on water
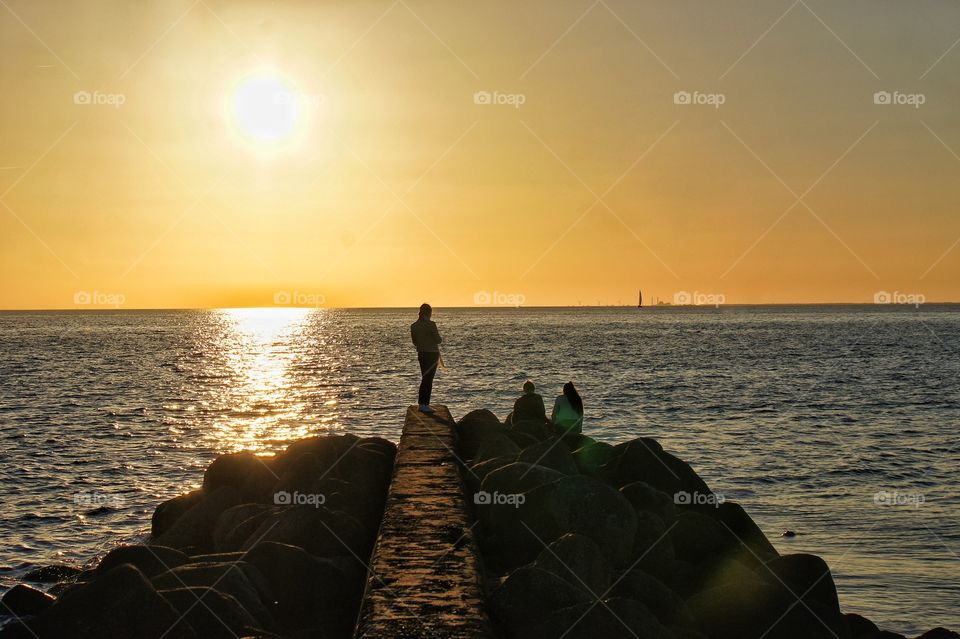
(802, 414)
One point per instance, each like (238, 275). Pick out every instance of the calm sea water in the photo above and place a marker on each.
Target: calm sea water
(839, 423)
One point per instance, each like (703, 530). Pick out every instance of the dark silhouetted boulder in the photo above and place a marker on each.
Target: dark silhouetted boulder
(539, 430)
(305, 586)
(939, 633)
(239, 579)
(613, 618)
(860, 627)
(681, 476)
(729, 571)
(477, 417)
(476, 473)
(368, 464)
(385, 446)
(329, 452)
(678, 575)
(643, 496)
(211, 614)
(475, 427)
(659, 599)
(697, 538)
(521, 439)
(235, 525)
(496, 446)
(519, 477)
(579, 560)
(318, 530)
(741, 609)
(193, 529)
(552, 453)
(744, 605)
(806, 576)
(170, 511)
(23, 600)
(302, 471)
(591, 457)
(150, 560)
(738, 523)
(574, 441)
(712, 542)
(365, 503)
(119, 603)
(652, 547)
(643, 459)
(573, 504)
(52, 574)
(686, 633)
(530, 593)
(249, 473)
(746, 530)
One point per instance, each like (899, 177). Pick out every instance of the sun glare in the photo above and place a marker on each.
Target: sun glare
(266, 110)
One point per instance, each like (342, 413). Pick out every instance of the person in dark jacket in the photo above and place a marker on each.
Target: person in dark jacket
(529, 405)
(426, 339)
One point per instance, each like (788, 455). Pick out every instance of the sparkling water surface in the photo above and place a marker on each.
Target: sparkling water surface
(837, 422)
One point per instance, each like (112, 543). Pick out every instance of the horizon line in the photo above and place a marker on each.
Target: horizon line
(477, 306)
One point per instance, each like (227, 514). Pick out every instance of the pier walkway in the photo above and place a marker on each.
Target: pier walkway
(424, 577)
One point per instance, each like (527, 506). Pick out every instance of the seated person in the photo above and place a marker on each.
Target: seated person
(568, 410)
(529, 406)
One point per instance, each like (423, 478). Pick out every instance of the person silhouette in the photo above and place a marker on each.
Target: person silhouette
(426, 339)
(529, 406)
(568, 410)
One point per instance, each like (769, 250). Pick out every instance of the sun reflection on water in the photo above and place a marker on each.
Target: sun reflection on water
(258, 350)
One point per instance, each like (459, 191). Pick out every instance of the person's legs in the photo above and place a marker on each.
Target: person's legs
(428, 368)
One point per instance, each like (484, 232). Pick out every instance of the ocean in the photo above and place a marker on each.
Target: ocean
(836, 422)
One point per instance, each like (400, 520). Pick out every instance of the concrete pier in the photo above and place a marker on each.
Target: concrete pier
(424, 577)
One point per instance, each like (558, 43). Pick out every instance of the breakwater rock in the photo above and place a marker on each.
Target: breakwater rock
(582, 539)
(271, 546)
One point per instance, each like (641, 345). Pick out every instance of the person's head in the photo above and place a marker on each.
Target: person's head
(528, 387)
(425, 311)
(570, 392)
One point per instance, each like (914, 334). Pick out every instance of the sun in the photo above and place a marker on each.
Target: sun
(265, 110)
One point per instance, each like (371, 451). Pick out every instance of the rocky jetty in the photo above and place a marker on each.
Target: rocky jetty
(576, 539)
(268, 547)
(579, 538)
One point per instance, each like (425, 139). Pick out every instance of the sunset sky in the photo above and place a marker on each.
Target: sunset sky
(213, 153)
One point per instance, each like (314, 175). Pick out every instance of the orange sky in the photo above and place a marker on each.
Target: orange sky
(133, 172)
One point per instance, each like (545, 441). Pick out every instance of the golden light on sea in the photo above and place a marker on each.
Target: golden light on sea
(259, 349)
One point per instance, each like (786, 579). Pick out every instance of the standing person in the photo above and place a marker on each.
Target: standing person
(426, 338)
(568, 410)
